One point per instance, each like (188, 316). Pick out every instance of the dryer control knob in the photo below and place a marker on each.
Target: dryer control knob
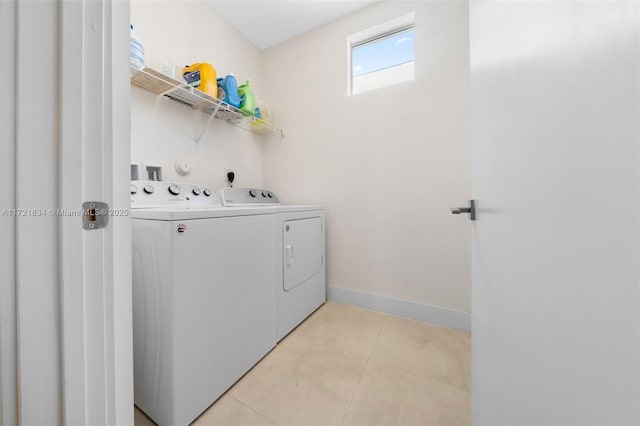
(207, 192)
(134, 189)
(253, 193)
(196, 191)
(148, 189)
(174, 189)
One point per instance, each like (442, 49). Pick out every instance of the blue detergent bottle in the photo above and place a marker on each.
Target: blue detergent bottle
(228, 90)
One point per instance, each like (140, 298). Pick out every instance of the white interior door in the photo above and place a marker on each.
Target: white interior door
(554, 95)
(65, 292)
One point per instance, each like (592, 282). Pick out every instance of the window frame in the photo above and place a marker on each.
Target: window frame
(376, 32)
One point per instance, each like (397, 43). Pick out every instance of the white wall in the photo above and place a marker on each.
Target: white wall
(162, 130)
(387, 163)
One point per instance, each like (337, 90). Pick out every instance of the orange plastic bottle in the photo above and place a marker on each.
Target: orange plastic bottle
(202, 76)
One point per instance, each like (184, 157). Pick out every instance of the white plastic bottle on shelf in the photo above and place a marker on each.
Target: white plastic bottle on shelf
(136, 52)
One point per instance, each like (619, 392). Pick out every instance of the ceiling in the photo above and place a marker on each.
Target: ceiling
(269, 22)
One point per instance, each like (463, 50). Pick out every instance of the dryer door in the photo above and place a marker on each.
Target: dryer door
(302, 250)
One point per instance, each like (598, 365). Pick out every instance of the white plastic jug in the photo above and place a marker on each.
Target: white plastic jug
(136, 53)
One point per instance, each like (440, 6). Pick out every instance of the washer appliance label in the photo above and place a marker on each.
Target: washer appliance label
(182, 228)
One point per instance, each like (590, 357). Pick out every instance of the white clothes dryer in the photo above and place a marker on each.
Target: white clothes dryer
(300, 254)
(204, 296)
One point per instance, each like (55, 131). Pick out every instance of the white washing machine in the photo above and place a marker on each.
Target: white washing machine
(300, 254)
(204, 296)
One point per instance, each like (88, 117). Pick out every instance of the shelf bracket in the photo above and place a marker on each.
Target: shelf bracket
(204, 128)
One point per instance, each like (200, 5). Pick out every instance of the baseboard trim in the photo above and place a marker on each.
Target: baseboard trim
(402, 308)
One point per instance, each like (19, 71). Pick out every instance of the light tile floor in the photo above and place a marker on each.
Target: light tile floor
(349, 366)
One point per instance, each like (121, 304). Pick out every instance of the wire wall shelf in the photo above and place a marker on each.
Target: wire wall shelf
(162, 85)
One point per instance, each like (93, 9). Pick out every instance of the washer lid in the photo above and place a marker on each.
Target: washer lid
(297, 208)
(197, 212)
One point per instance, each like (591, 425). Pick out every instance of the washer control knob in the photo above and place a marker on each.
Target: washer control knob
(207, 192)
(149, 189)
(253, 193)
(196, 191)
(264, 195)
(134, 189)
(174, 189)
(269, 195)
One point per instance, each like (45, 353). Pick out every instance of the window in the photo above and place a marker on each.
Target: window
(381, 56)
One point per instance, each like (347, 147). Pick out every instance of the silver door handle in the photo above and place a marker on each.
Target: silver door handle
(458, 210)
(471, 210)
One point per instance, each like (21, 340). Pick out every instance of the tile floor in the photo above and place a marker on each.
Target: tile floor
(349, 366)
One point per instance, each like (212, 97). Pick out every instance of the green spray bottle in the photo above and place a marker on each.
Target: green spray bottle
(248, 104)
